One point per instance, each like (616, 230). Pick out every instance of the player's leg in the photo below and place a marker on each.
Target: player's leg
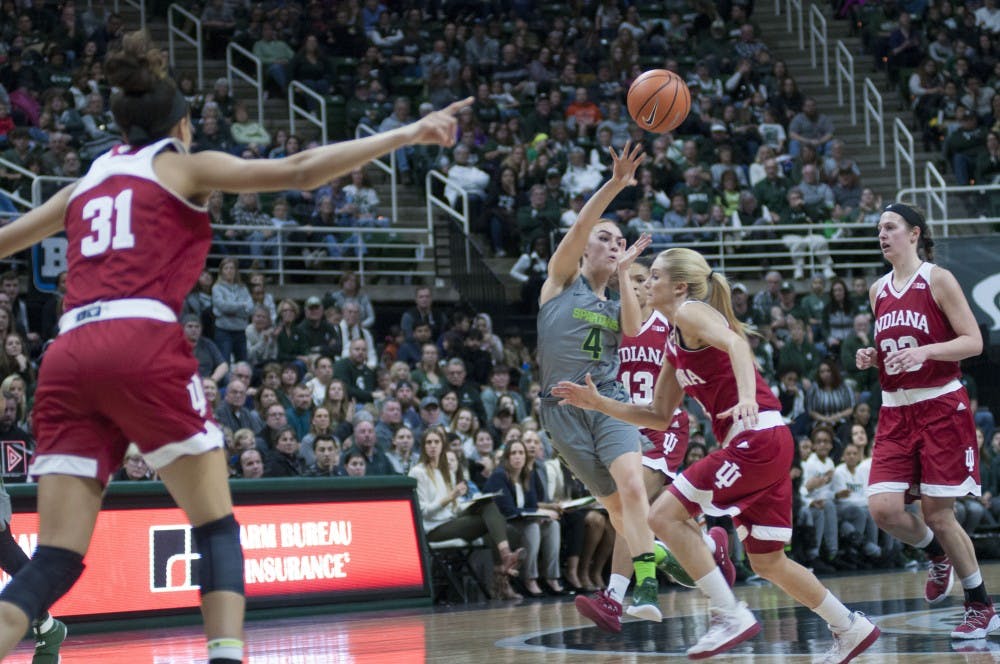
(63, 537)
(852, 632)
(632, 525)
(199, 484)
(980, 617)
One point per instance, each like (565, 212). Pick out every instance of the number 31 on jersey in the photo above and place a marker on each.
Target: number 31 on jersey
(110, 224)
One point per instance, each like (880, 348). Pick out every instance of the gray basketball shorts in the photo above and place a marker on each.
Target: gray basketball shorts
(588, 441)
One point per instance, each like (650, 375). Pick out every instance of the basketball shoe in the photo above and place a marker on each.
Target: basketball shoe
(645, 600)
(47, 643)
(851, 642)
(600, 608)
(940, 579)
(979, 620)
(726, 629)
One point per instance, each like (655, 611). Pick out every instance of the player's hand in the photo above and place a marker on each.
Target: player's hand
(744, 412)
(438, 128)
(627, 163)
(865, 358)
(582, 396)
(634, 252)
(906, 359)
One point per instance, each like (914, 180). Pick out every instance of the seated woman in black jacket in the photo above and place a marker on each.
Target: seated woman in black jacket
(538, 529)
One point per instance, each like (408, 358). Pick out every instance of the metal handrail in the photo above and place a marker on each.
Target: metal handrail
(903, 152)
(873, 113)
(411, 242)
(37, 195)
(294, 109)
(817, 33)
(844, 69)
(12, 195)
(197, 41)
(387, 167)
(951, 219)
(937, 191)
(443, 204)
(256, 82)
(797, 6)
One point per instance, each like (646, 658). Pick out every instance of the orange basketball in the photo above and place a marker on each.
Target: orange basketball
(659, 100)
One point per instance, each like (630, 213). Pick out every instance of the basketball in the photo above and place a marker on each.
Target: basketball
(659, 100)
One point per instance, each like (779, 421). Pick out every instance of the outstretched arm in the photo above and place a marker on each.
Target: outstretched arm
(36, 225)
(203, 172)
(631, 312)
(565, 261)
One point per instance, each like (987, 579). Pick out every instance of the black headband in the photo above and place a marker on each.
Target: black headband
(139, 135)
(911, 216)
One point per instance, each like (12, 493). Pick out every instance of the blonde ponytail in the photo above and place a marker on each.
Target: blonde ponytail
(690, 267)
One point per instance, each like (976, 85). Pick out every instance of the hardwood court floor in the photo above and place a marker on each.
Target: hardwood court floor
(551, 632)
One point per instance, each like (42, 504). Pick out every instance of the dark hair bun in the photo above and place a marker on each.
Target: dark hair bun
(137, 66)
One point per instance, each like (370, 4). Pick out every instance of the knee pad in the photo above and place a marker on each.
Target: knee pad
(221, 564)
(50, 574)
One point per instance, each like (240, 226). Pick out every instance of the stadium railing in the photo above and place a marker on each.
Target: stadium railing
(817, 35)
(954, 210)
(256, 81)
(902, 149)
(295, 109)
(844, 71)
(872, 103)
(176, 30)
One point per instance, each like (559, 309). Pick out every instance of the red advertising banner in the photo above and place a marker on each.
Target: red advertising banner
(145, 560)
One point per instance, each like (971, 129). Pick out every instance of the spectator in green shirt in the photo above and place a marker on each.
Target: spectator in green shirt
(275, 56)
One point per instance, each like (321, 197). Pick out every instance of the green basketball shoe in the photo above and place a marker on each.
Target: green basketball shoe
(47, 644)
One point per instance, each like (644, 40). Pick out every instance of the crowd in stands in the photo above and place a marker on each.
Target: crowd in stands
(944, 58)
(303, 388)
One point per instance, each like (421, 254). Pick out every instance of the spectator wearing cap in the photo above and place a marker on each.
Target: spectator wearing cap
(318, 336)
(210, 361)
(741, 304)
(430, 413)
(964, 145)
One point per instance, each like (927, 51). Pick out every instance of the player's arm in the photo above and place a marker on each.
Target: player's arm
(203, 172)
(968, 341)
(657, 415)
(631, 312)
(565, 262)
(35, 225)
(705, 326)
(865, 358)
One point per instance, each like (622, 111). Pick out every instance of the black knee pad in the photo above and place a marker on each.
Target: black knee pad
(50, 574)
(221, 564)
(12, 557)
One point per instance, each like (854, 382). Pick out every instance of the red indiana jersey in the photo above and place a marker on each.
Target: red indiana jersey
(640, 359)
(906, 319)
(130, 235)
(707, 375)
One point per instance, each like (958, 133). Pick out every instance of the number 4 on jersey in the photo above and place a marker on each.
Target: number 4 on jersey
(110, 224)
(592, 344)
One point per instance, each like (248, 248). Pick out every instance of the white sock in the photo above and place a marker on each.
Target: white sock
(833, 611)
(974, 580)
(925, 540)
(709, 542)
(225, 649)
(617, 587)
(719, 594)
(48, 623)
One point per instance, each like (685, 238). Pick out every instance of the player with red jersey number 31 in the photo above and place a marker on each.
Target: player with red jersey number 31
(925, 442)
(138, 233)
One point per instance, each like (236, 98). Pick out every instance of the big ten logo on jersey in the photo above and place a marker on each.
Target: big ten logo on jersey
(970, 459)
(48, 261)
(172, 559)
(727, 474)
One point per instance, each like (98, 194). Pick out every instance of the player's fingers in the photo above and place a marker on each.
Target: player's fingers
(454, 107)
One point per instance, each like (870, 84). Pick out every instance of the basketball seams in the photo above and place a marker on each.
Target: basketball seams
(673, 113)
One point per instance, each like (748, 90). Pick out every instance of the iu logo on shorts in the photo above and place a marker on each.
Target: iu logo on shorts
(970, 459)
(727, 475)
(172, 559)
